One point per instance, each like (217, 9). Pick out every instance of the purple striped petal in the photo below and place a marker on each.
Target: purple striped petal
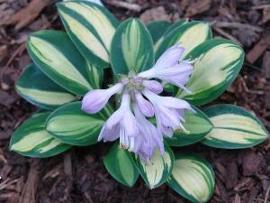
(153, 86)
(169, 112)
(144, 105)
(170, 57)
(129, 124)
(121, 123)
(177, 75)
(172, 102)
(109, 134)
(115, 118)
(151, 138)
(95, 100)
(169, 68)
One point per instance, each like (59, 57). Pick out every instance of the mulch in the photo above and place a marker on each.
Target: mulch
(242, 176)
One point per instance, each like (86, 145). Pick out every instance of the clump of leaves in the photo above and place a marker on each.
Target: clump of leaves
(97, 51)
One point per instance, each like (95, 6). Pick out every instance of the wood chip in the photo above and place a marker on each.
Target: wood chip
(198, 7)
(224, 11)
(238, 26)
(29, 191)
(6, 99)
(3, 52)
(252, 163)
(258, 49)
(266, 64)
(267, 195)
(5, 171)
(184, 4)
(244, 184)
(27, 14)
(266, 15)
(227, 35)
(261, 6)
(5, 12)
(266, 74)
(237, 199)
(155, 14)
(68, 165)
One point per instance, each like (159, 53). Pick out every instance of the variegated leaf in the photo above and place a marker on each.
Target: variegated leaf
(120, 164)
(32, 139)
(217, 63)
(169, 29)
(234, 128)
(187, 34)
(55, 55)
(91, 27)
(73, 126)
(193, 178)
(96, 75)
(158, 169)
(196, 125)
(38, 89)
(157, 29)
(176, 26)
(132, 48)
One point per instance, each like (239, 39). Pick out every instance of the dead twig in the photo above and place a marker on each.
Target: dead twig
(68, 165)
(17, 52)
(227, 35)
(258, 49)
(237, 25)
(253, 67)
(267, 195)
(260, 7)
(29, 191)
(52, 173)
(6, 183)
(246, 89)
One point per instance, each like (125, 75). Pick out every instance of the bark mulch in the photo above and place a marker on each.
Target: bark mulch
(242, 176)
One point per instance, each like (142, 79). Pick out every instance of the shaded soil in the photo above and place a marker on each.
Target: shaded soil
(79, 175)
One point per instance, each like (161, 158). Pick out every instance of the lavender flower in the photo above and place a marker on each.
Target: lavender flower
(144, 105)
(95, 100)
(153, 85)
(122, 123)
(140, 99)
(169, 68)
(169, 112)
(150, 137)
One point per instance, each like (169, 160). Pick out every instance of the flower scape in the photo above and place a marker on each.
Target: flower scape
(144, 88)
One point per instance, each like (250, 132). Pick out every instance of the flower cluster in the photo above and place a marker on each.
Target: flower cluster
(141, 100)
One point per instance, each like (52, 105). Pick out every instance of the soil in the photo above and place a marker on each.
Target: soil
(242, 176)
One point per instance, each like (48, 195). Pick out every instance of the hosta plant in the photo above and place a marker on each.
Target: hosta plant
(143, 88)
